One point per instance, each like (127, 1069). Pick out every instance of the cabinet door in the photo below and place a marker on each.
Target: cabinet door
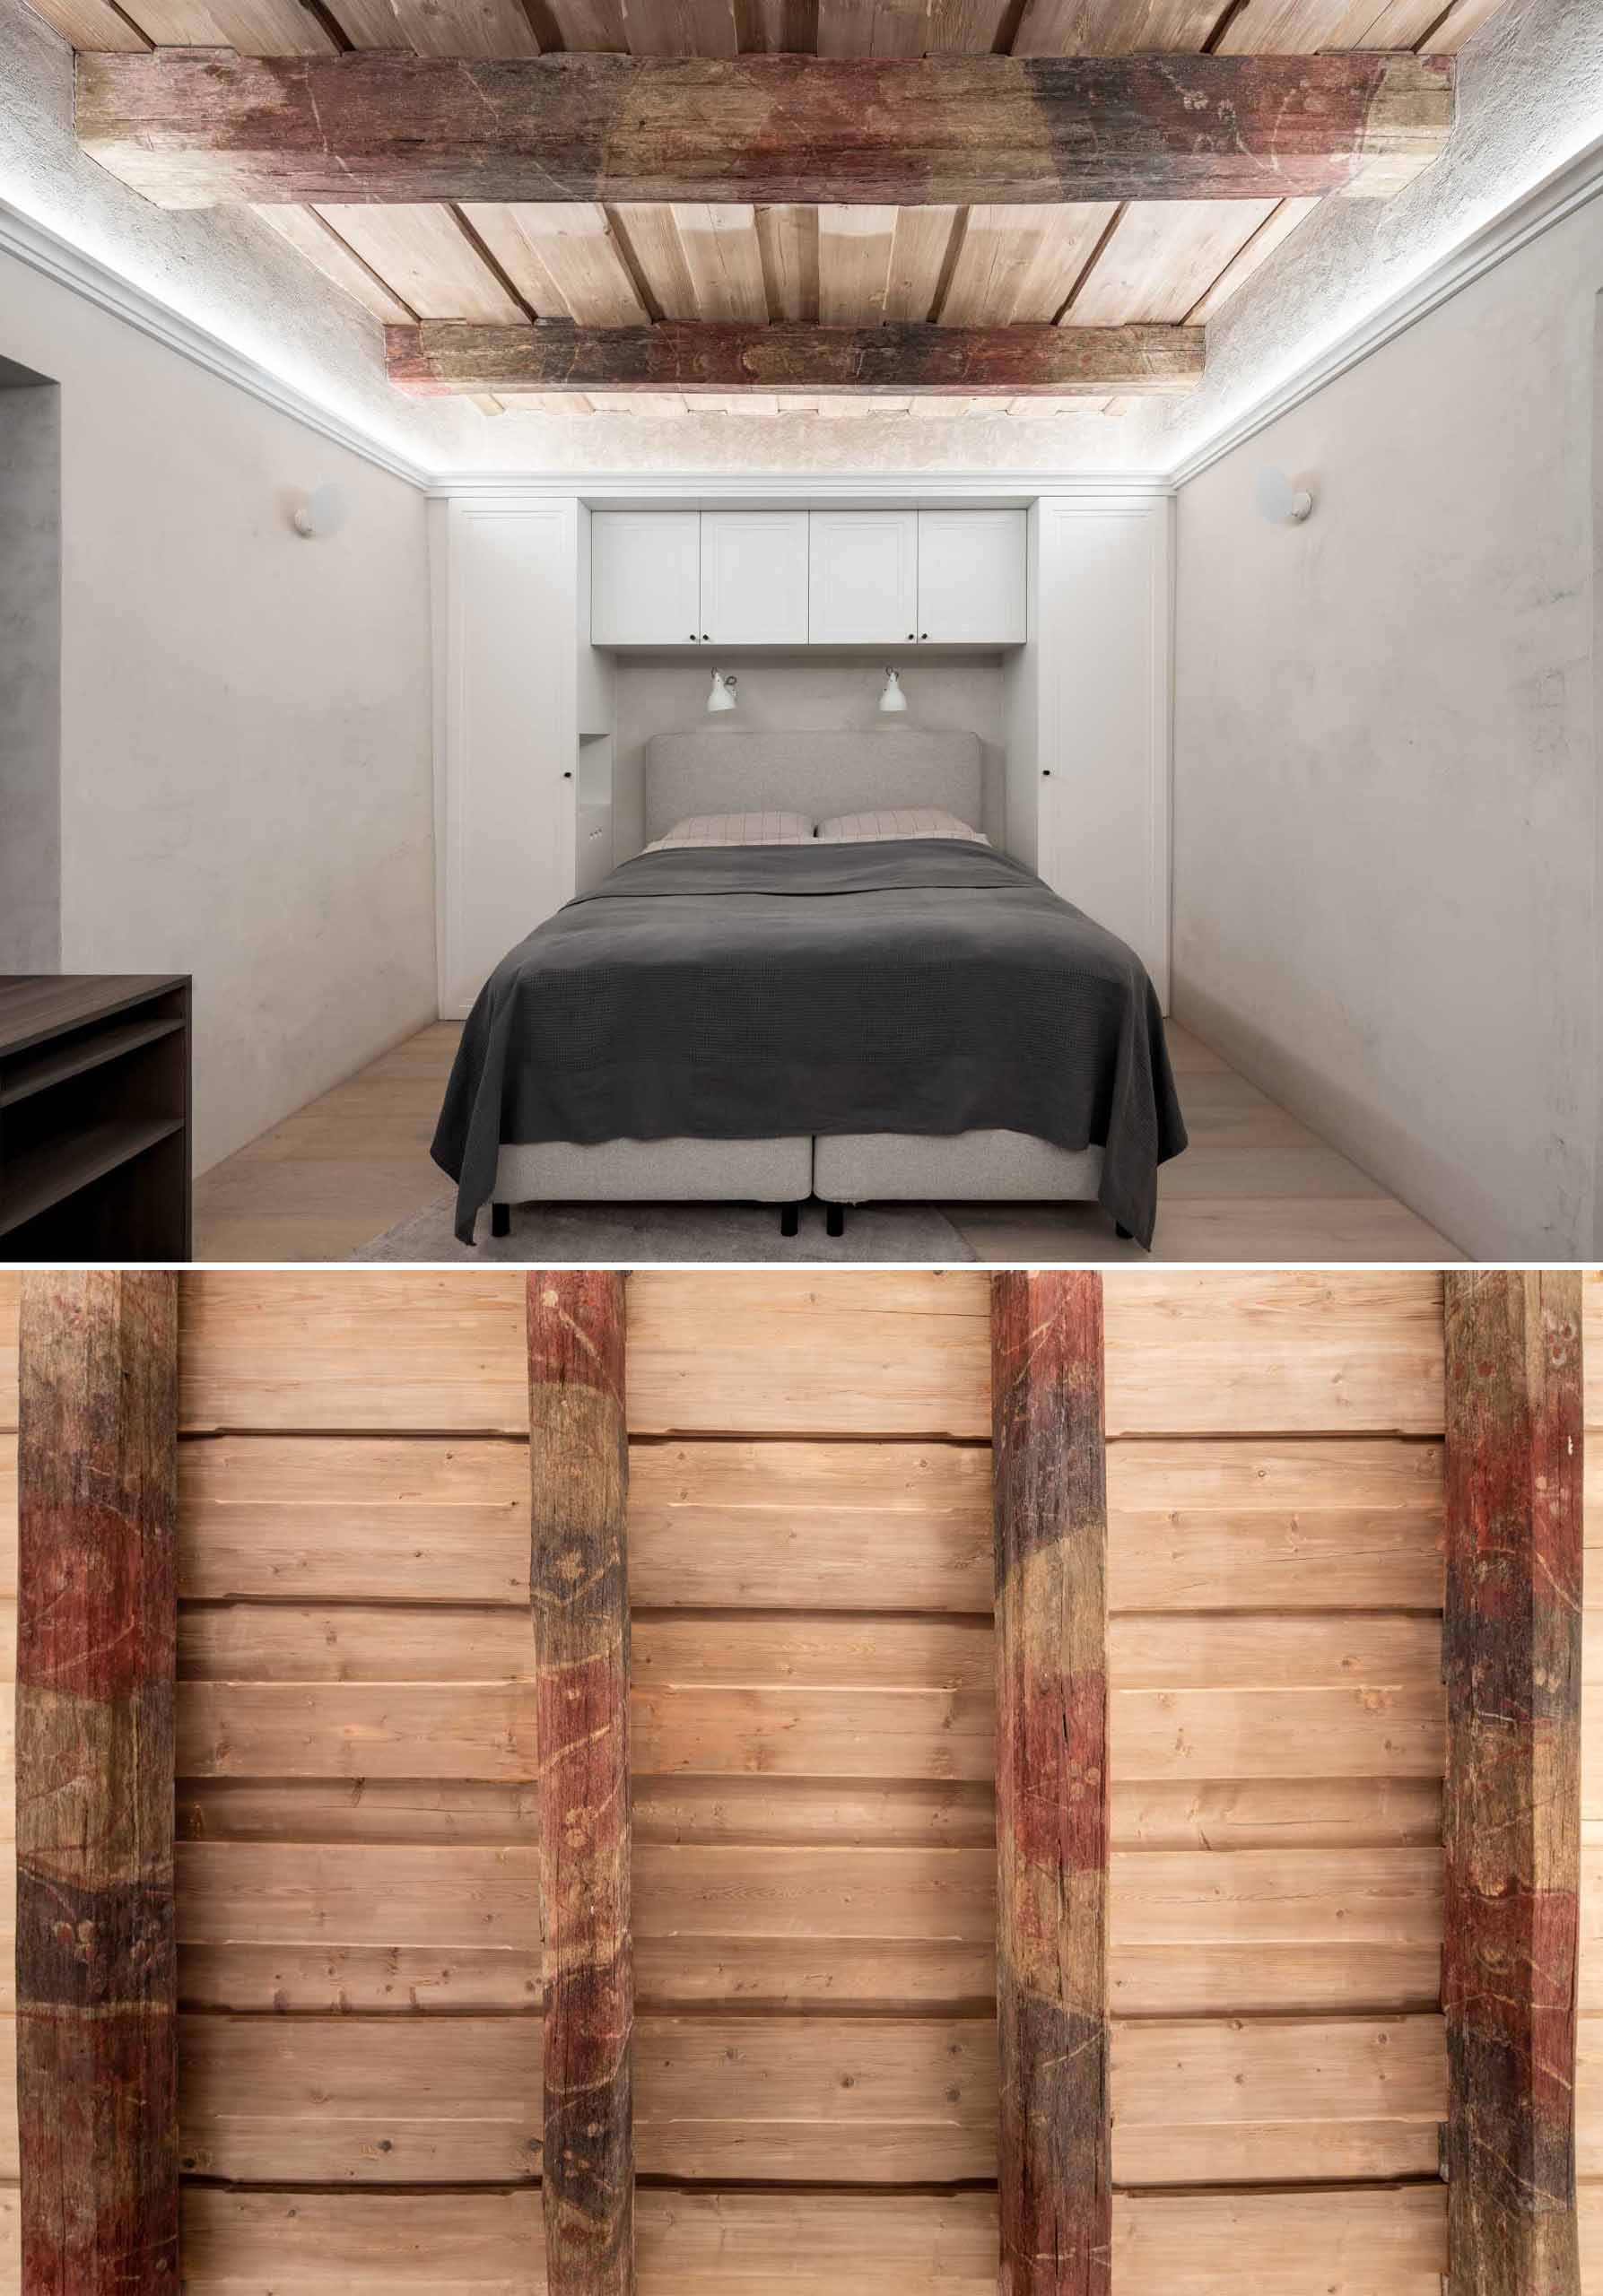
(645, 578)
(863, 577)
(971, 577)
(755, 578)
(1104, 765)
(510, 746)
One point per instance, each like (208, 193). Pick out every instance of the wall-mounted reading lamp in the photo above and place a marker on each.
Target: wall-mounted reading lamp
(891, 697)
(1279, 501)
(323, 511)
(722, 696)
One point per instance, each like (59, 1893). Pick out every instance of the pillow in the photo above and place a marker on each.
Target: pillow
(909, 821)
(736, 829)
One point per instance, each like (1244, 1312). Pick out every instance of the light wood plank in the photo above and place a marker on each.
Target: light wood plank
(921, 243)
(787, 243)
(1019, 264)
(400, 1349)
(477, 1730)
(323, 246)
(424, 256)
(393, 2099)
(1269, 236)
(1162, 256)
(564, 260)
(854, 264)
(253, 27)
(723, 260)
(1287, 27)
(680, 27)
(1114, 27)
(1389, 2242)
(1461, 25)
(1195, 1351)
(92, 24)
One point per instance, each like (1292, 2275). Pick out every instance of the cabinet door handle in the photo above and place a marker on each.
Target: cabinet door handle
(567, 777)
(923, 637)
(693, 637)
(1046, 772)
(706, 638)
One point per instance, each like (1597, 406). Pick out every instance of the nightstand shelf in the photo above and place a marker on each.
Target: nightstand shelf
(94, 1118)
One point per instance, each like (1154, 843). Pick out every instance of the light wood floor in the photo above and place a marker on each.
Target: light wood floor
(1254, 1184)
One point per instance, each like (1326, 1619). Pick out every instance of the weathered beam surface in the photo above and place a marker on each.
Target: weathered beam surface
(579, 1602)
(193, 127)
(97, 1612)
(1055, 2191)
(1513, 1811)
(444, 355)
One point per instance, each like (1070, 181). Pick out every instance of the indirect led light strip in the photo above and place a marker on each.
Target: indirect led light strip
(1437, 277)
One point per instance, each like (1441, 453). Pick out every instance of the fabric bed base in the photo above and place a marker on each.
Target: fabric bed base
(845, 1167)
(656, 1171)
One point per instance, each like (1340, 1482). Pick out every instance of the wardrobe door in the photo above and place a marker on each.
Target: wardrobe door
(645, 578)
(755, 578)
(972, 578)
(863, 577)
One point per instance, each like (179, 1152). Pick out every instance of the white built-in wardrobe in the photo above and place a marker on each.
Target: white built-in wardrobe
(538, 592)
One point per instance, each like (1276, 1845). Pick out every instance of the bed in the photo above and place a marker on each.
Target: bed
(921, 1019)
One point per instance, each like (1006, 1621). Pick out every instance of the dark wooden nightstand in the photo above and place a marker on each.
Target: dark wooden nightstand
(94, 1117)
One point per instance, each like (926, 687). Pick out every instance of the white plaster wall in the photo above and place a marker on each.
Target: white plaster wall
(1386, 761)
(666, 693)
(30, 674)
(247, 789)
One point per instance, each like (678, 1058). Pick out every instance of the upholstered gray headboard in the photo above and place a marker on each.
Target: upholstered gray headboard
(816, 774)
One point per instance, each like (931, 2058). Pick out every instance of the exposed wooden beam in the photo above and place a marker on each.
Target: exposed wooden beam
(796, 359)
(1054, 2132)
(97, 1631)
(191, 127)
(579, 1587)
(1512, 1819)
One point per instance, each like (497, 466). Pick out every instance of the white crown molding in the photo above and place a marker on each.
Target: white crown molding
(1003, 488)
(46, 251)
(1548, 202)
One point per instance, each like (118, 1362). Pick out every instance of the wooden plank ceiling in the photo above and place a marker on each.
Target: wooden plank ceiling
(627, 265)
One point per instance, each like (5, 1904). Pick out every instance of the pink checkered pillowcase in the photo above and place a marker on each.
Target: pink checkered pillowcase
(736, 828)
(906, 821)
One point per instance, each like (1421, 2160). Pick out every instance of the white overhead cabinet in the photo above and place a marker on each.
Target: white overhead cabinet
(808, 577)
(972, 578)
(755, 578)
(863, 577)
(645, 578)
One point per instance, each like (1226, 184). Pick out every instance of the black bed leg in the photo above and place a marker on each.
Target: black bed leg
(501, 1219)
(1125, 1235)
(834, 1219)
(790, 1219)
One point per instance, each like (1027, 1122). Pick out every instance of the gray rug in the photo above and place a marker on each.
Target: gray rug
(626, 1235)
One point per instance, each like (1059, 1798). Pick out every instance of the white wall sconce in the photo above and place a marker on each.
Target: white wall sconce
(1279, 501)
(722, 696)
(323, 513)
(892, 699)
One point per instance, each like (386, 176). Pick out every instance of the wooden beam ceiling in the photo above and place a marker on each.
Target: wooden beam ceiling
(191, 127)
(1053, 361)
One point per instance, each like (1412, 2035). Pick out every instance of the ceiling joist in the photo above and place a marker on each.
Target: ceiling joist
(445, 356)
(197, 126)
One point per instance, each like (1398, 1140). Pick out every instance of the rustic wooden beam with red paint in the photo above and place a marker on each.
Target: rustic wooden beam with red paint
(445, 355)
(1511, 1821)
(1055, 2130)
(192, 126)
(97, 1634)
(578, 1463)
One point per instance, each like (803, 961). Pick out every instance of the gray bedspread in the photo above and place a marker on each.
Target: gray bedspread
(745, 992)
